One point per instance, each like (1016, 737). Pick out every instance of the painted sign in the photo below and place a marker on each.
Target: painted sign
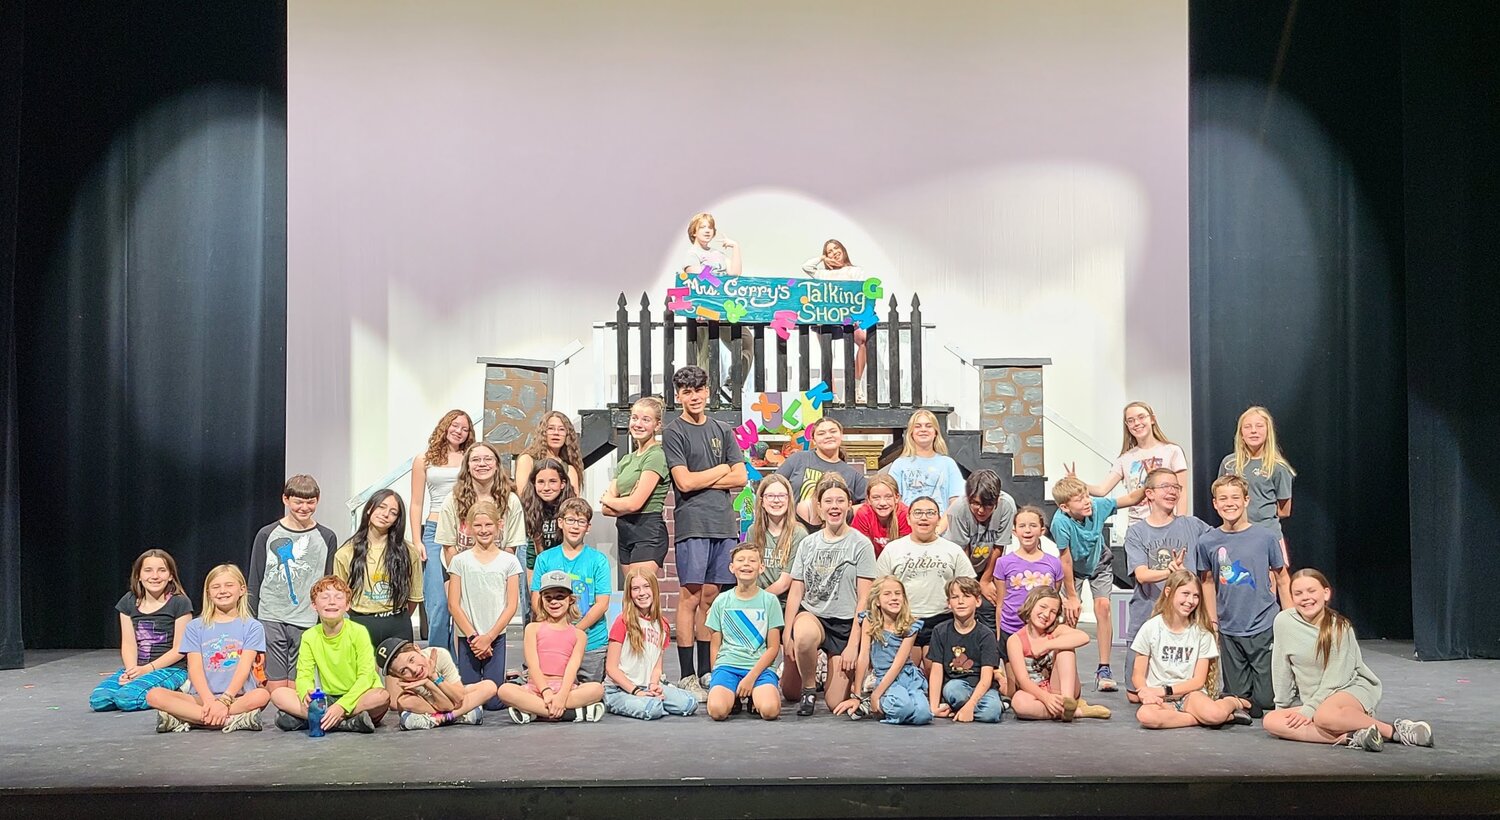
(781, 303)
(774, 414)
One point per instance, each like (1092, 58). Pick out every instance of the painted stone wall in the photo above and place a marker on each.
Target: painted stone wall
(515, 398)
(1010, 415)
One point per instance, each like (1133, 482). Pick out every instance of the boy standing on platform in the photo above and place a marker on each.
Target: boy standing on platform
(593, 582)
(1078, 529)
(1158, 545)
(287, 557)
(980, 522)
(1244, 580)
(706, 465)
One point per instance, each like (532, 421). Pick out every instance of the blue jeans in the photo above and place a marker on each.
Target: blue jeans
(434, 594)
(673, 701)
(957, 692)
(111, 694)
(906, 700)
(521, 554)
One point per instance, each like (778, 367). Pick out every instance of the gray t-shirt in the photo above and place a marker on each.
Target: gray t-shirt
(703, 513)
(1265, 491)
(806, 468)
(1152, 548)
(283, 566)
(1241, 563)
(979, 540)
(830, 570)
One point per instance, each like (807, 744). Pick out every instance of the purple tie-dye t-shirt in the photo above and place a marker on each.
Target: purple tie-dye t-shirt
(154, 631)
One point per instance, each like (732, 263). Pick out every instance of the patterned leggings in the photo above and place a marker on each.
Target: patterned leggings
(131, 696)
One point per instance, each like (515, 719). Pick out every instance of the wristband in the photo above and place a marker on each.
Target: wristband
(637, 689)
(438, 679)
(226, 699)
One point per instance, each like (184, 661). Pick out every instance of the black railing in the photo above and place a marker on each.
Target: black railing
(901, 393)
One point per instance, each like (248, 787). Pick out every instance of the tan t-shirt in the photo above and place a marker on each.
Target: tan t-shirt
(374, 595)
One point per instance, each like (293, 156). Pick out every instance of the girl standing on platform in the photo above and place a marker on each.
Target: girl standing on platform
(1145, 448)
(883, 517)
(434, 472)
(633, 684)
(1315, 659)
(555, 437)
(481, 476)
(382, 568)
(1173, 653)
(153, 616)
(925, 468)
(541, 498)
(486, 586)
(806, 467)
(221, 647)
(777, 533)
(835, 265)
(554, 653)
(1042, 661)
(638, 493)
(1258, 460)
(887, 647)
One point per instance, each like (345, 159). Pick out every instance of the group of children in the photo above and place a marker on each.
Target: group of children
(909, 596)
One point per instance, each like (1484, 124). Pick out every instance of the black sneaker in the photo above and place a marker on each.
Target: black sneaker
(808, 705)
(290, 723)
(359, 723)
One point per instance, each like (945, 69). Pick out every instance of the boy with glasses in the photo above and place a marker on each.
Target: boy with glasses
(1158, 545)
(593, 582)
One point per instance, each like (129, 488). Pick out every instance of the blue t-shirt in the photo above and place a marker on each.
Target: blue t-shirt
(744, 626)
(935, 476)
(224, 646)
(591, 578)
(1242, 563)
(1082, 538)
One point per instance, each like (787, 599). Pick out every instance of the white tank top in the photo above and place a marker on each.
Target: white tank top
(440, 481)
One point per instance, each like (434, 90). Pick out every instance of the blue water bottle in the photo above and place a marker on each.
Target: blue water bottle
(317, 706)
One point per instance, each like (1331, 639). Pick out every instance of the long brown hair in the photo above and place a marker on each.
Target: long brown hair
(1332, 625)
(1155, 428)
(465, 493)
(138, 589)
(1169, 588)
(571, 453)
(892, 524)
(759, 533)
(634, 635)
(535, 509)
(437, 443)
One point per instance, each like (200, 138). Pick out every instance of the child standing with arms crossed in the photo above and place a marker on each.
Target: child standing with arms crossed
(221, 647)
(1172, 654)
(1258, 460)
(337, 658)
(746, 625)
(153, 617)
(1078, 528)
(1243, 577)
(287, 557)
(963, 660)
(486, 586)
(706, 464)
(887, 643)
(592, 583)
(637, 639)
(638, 493)
(554, 654)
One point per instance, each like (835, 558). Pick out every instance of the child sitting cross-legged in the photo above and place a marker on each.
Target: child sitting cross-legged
(336, 657)
(633, 676)
(887, 642)
(745, 626)
(1172, 653)
(554, 649)
(427, 687)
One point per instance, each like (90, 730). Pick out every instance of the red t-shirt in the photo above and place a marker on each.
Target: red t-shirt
(867, 522)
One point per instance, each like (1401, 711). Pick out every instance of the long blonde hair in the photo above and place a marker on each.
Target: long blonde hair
(1156, 432)
(759, 533)
(1169, 588)
(892, 524)
(939, 446)
(1270, 454)
(437, 443)
(875, 618)
(634, 635)
(1332, 625)
(242, 609)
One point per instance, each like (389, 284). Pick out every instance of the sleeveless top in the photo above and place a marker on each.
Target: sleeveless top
(554, 648)
(1039, 669)
(440, 481)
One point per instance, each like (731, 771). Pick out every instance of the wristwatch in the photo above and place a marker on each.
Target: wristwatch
(1168, 689)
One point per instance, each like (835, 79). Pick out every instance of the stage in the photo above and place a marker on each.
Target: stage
(61, 760)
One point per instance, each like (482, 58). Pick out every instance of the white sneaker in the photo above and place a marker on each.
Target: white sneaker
(244, 721)
(166, 723)
(473, 717)
(412, 721)
(1412, 732)
(694, 687)
(589, 714)
(519, 717)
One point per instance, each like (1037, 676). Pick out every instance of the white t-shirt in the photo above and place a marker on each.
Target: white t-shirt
(925, 569)
(638, 666)
(1172, 656)
(483, 595)
(1134, 464)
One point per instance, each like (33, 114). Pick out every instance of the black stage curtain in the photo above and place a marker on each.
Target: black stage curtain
(1452, 126)
(150, 298)
(1296, 273)
(11, 17)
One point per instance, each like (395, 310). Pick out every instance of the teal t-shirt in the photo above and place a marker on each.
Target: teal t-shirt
(628, 472)
(744, 626)
(591, 577)
(1083, 538)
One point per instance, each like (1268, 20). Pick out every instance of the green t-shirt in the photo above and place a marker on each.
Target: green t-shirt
(628, 474)
(744, 626)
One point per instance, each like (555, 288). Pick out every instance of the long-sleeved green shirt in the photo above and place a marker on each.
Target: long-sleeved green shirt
(1298, 673)
(345, 663)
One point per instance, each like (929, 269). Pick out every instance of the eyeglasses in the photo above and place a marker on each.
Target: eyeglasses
(775, 497)
(576, 522)
(1166, 487)
(482, 460)
(922, 514)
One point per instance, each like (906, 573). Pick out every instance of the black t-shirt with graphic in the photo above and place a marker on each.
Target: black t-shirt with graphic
(154, 632)
(963, 656)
